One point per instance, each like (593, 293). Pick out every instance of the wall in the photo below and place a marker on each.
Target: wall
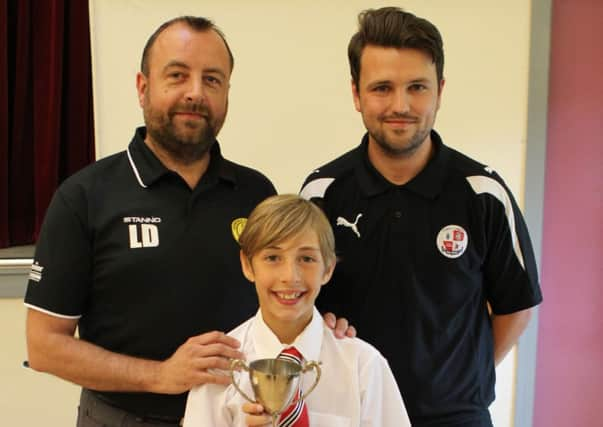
(291, 110)
(291, 99)
(28, 398)
(569, 374)
(290, 92)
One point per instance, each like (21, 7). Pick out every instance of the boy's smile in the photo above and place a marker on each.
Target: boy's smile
(288, 297)
(288, 276)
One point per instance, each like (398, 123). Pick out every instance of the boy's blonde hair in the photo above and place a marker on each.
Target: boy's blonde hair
(281, 217)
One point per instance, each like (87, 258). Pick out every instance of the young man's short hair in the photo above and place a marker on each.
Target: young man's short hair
(394, 27)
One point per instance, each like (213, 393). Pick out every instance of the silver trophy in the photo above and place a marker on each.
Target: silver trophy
(274, 382)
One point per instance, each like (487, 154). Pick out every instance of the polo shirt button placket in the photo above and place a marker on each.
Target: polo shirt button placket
(397, 221)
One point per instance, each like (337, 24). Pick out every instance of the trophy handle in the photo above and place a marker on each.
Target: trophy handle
(238, 363)
(307, 367)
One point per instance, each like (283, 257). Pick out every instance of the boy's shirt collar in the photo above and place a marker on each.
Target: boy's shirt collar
(267, 345)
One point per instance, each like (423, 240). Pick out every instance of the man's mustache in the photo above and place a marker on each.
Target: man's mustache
(200, 109)
(399, 116)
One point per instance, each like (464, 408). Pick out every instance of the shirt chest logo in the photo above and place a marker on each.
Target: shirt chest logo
(352, 225)
(237, 226)
(452, 241)
(143, 232)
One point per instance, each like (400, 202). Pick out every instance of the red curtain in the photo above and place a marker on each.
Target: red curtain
(46, 116)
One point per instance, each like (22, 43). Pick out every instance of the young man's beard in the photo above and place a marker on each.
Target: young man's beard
(396, 149)
(393, 150)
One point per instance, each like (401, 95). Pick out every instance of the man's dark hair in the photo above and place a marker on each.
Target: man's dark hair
(197, 23)
(394, 27)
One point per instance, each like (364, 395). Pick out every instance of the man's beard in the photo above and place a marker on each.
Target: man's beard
(183, 147)
(393, 149)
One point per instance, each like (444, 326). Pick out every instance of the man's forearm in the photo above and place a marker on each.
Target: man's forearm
(506, 329)
(53, 349)
(93, 367)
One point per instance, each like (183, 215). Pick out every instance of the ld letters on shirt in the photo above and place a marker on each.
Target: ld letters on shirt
(143, 235)
(143, 231)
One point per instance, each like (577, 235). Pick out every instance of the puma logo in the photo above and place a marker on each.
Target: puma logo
(353, 225)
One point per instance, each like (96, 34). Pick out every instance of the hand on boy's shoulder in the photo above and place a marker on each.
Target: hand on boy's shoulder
(340, 326)
(196, 362)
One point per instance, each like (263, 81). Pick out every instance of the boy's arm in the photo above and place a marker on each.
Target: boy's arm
(207, 405)
(380, 400)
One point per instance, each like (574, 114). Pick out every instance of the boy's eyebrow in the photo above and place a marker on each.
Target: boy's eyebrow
(310, 248)
(303, 248)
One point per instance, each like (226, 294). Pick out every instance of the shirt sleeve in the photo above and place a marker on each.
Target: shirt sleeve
(380, 400)
(510, 268)
(207, 406)
(61, 274)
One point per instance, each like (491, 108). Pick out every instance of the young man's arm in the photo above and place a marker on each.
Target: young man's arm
(52, 348)
(506, 329)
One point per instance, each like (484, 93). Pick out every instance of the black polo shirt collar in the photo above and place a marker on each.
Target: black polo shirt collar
(428, 182)
(148, 168)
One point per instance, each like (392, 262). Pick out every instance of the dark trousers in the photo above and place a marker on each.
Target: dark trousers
(93, 412)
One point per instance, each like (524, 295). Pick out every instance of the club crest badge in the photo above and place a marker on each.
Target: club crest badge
(452, 241)
(237, 226)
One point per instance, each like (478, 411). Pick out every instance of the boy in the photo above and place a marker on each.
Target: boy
(288, 252)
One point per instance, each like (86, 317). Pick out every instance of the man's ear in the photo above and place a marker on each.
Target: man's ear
(141, 87)
(356, 96)
(246, 267)
(440, 89)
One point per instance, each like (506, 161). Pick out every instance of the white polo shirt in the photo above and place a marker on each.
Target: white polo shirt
(357, 387)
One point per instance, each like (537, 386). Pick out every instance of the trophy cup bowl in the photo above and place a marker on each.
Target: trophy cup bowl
(274, 382)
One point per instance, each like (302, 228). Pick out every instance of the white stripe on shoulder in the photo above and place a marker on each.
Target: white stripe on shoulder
(316, 188)
(484, 184)
(135, 169)
(62, 316)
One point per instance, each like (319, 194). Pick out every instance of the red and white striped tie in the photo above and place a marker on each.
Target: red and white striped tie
(296, 415)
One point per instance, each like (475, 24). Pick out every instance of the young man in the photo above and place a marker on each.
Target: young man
(138, 250)
(428, 239)
(287, 251)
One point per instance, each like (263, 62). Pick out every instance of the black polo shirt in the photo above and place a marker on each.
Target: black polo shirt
(145, 262)
(418, 264)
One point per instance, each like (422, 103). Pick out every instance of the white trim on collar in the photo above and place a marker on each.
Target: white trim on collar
(135, 169)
